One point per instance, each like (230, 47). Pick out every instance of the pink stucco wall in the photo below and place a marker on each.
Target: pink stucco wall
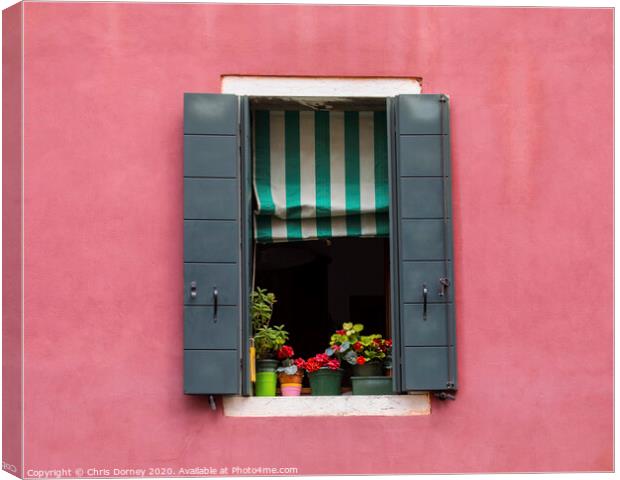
(11, 240)
(531, 96)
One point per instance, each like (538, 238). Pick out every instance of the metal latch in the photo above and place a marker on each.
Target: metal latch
(445, 283)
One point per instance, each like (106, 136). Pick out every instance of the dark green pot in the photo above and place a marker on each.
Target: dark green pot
(370, 369)
(267, 365)
(372, 385)
(326, 382)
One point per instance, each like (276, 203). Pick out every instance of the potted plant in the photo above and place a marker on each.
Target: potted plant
(365, 353)
(373, 351)
(290, 373)
(325, 375)
(267, 341)
(341, 341)
(370, 353)
(347, 344)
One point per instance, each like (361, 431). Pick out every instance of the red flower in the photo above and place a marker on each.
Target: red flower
(341, 332)
(322, 358)
(361, 360)
(377, 341)
(336, 348)
(312, 365)
(300, 363)
(285, 352)
(357, 346)
(388, 343)
(334, 364)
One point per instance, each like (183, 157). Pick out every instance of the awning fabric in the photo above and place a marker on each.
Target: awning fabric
(320, 175)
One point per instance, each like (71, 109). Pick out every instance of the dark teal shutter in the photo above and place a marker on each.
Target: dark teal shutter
(246, 240)
(422, 243)
(212, 241)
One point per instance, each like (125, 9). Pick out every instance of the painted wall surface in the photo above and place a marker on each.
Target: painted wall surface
(531, 96)
(11, 240)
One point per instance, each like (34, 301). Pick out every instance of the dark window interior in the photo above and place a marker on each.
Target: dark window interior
(320, 284)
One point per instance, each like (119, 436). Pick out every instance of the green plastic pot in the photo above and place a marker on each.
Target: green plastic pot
(369, 369)
(326, 382)
(266, 378)
(372, 385)
(265, 384)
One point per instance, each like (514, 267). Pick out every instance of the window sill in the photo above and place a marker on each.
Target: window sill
(340, 406)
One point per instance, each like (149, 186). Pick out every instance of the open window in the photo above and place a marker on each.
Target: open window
(376, 250)
(321, 205)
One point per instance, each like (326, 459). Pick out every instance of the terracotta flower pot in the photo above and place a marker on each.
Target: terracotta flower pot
(286, 378)
(290, 385)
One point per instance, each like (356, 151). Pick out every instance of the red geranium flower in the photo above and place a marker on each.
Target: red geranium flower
(377, 341)
(285, 352)
(334, 364)
(336, 348)
(361, 360)
(322, 358)
(388, 343)
(341, 332)
(300, 363)
(357, 346)
(312, 365)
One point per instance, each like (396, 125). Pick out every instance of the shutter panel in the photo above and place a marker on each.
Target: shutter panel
(212, 229)
(247, 240)
(422, 232)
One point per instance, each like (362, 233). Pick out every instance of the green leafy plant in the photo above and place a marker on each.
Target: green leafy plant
(348, 344)
(268, 340)
(341, 341)
(371, 348)
(261, 307)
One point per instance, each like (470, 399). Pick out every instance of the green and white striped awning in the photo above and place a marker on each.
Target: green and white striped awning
(320, 175)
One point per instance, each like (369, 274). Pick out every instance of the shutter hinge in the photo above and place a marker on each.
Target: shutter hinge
(445, 395)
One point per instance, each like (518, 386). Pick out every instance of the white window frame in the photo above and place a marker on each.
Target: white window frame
(266, 86)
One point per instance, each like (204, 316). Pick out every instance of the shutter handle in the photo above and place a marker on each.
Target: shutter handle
(215, 294)
(425, 296)
(193, 292)
(445, 283)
